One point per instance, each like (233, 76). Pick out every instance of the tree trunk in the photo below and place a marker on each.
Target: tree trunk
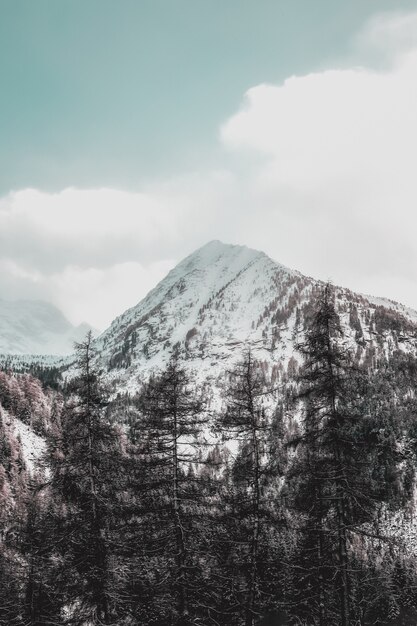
(179, 531)
(253, 575)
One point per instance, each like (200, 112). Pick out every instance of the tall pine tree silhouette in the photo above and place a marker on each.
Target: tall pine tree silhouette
(169, 491)
(86, 479)
(334, 469)
(248, 515)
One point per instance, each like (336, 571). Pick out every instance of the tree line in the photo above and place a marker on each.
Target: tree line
(277, 507)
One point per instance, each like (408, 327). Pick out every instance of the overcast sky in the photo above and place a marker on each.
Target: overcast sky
(133, 132)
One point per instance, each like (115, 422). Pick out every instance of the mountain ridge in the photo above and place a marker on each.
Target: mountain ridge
(223, 298)
(217, 301)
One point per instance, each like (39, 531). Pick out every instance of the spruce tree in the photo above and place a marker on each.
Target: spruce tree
(333, 472)
(85, 464)
(44, 598)
(169, 496)
(249, 515)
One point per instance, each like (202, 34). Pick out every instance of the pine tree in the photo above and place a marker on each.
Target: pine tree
(85, 462)
(333, 473)
(169, 495)
(249, 514)
(43, 599)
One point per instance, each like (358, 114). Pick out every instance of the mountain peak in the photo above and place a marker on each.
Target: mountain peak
(213, 297)
(215, 246)
(219, 261)
(221, 299)
(213, 250)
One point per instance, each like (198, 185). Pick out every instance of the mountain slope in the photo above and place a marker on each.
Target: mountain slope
(36, 327)
(223, 298)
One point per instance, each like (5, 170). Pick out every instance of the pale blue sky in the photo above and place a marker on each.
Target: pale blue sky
(115, 92)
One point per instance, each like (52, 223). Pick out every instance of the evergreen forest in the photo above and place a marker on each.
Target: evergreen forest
(280, 504)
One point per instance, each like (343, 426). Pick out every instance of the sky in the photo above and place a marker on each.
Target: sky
(134, 131)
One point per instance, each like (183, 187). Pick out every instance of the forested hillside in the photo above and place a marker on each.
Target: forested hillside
(291, 501)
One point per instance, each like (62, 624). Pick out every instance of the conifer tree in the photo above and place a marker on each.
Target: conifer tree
(85, 460)
(333, 473)
(43, 599)
(169, 494)
(245, 421)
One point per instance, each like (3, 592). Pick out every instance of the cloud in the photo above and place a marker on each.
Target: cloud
(96, 252)
(100, 226)
(85, 293)
(105, 226)
(105, 293)
(335, 162)
(388, 35)
(331, 126)
(321, 175)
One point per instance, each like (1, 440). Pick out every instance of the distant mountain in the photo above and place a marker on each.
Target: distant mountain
(36, 327)
(223, 298)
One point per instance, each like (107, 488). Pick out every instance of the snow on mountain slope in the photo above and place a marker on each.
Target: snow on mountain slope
(33, 445)
(36, 327)
(223, 298)
(206, 304)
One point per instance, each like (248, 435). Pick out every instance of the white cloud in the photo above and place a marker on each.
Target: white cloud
(388, 35)
(84, 293)
(103, 225)
(94, 253)
(104, 293)
(322, 177)
(331, 126)
(336, 163)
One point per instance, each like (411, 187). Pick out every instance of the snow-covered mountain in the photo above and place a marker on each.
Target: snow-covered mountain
(223, 298)
(36, 327)
(215, 303)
